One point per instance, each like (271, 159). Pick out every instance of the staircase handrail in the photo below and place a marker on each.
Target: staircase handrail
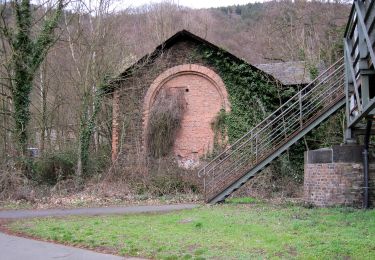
(233, 147)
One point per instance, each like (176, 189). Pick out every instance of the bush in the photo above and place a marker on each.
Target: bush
(166, 178)
(55, 166)
(156, 177)
(10, 179)
(99, 161)
(61, 165)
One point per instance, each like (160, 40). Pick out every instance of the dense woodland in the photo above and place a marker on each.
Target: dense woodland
(56, 57)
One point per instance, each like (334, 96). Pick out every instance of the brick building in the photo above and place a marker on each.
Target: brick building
(176, 65)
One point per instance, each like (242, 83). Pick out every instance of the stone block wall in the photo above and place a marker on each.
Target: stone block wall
(334, 176)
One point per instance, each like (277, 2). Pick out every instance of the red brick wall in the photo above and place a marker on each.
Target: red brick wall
(328, 184)
(132, 93)
(371, 183)
(205, 94)
(115, 123)
(334, 176)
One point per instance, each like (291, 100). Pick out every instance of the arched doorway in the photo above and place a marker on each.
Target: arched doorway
(205, 95)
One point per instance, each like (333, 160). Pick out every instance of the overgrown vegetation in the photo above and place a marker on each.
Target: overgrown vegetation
(251, 94)
(28, 52)
(153, 177)
(10, 180)
(54, 167)
(87, 127)
(164, 122)
(51, 174)
(219, 127)
(254, 231)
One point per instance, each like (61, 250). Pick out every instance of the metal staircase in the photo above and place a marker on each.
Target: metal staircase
(351, 84)
(359, 45)
(275, 134)
(359, 54)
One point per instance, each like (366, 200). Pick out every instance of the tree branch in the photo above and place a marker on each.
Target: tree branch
(46, 37)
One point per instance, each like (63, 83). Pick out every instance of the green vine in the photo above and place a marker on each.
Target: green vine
(29, 51)
(219, 126)
(88, 123)
(252, 94)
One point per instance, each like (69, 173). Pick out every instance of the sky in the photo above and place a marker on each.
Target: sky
(193, 3)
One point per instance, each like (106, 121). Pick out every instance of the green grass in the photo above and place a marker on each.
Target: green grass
(229, 231)
(242, 200)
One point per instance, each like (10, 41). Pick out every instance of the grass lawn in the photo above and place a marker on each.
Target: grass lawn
(230, 231)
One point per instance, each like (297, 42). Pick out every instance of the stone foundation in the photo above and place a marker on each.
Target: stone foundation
(334, 176)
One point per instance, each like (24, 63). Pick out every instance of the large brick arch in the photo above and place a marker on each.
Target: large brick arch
(205, 94)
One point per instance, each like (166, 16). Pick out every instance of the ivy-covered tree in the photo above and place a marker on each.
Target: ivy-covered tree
(89, 31)
(27, 49)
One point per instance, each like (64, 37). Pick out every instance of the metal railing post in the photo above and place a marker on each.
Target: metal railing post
(204, 186)
(300, 109)
(256, 148)
(252, 144)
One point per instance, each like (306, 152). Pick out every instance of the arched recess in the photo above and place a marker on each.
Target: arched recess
(205, 93)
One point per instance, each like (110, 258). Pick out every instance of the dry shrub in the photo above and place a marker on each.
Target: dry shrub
(164, 121)
(268, 185)
(140, 175)
(129, 171)
(11, 180)
(14, 185)
(66, 186)
(166, 178)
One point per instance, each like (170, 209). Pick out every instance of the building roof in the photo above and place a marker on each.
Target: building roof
(288, 73)
(277, 74)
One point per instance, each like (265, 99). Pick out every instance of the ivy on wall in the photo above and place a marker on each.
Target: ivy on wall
(251, 93)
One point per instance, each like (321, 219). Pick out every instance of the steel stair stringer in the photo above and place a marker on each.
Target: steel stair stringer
(304, 111)
(237, 184)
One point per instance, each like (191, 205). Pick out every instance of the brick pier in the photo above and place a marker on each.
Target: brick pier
(334, 176)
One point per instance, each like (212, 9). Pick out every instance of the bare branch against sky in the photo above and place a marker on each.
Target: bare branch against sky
(190, 3)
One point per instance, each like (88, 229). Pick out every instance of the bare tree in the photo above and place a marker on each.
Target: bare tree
(95, 57)
(25, 50)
